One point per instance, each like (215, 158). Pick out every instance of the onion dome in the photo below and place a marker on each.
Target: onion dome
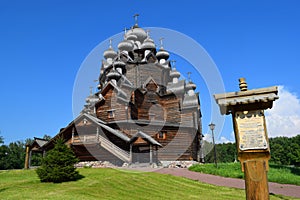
(119, 64)
(162, 54)
(110, 53)
(174, 73)
(107, 65)
(140, 34)
(113, 74)
(190, 86)
(131, 37)
(148, 44)
(125, 45)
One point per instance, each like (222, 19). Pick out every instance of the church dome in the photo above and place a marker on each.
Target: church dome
(190, 86)
(119, 64)
(113, 74)
(131, 37)
(110, 53)
(174, 73)
(148, 44)
(106, 65)
(125, 45)
(140, 34)
(162, 54)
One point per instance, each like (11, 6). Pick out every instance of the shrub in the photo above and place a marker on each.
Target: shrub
(58, 164)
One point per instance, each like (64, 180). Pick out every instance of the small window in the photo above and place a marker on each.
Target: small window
(111, 114)
(161, 135)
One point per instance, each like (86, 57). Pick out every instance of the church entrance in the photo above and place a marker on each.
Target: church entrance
(143, 148)
(141, 154)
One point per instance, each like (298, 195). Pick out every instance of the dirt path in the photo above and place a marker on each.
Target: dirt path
(275, 188)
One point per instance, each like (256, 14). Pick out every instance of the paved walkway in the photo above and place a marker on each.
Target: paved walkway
(275, 188)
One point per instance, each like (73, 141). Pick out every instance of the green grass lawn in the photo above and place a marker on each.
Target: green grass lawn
(112, 184)
(108, 184)
(277, 173)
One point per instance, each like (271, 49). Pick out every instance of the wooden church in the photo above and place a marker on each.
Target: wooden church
(142, 113)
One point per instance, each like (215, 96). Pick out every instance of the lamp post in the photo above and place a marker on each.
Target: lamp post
(212, 127)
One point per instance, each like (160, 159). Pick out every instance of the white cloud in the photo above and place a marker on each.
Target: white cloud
(284, 118)
(219, 140)
(207, 137)
(223, 139)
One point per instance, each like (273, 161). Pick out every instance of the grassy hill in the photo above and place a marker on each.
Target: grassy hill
(112, 184)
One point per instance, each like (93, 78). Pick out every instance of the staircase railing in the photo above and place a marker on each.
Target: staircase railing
(106, 144)
(114, 149)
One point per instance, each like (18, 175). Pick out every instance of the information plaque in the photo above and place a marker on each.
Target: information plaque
(251, 130)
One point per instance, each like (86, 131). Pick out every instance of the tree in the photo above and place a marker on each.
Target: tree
(58, 164)
(4, 164)
(47, 137)
(12, 156)
(16, 155)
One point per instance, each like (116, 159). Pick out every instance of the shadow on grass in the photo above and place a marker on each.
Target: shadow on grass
(78, 177)
(279, 196)
(3, 189)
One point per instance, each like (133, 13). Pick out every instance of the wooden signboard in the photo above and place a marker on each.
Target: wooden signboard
(251, 130)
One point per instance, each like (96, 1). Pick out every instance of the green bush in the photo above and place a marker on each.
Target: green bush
(58, 164)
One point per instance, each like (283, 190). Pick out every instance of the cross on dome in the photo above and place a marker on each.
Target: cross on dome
(173, 62)
(189, 76)
(110, 43)
(161, 42)
(136, 19)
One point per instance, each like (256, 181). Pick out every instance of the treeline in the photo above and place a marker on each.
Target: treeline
(284, 151)
(12, 156)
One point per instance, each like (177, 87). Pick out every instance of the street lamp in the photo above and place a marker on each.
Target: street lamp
(212, 127)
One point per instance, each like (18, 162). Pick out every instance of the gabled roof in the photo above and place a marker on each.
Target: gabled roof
(145, 137)
(148, 80)
(102, 125)
(38, 144)
(257, 98)
(110, 84)
(41, 142)
(92, 119)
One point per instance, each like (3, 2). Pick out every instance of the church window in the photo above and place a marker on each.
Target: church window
(111, 114)
(161, 135)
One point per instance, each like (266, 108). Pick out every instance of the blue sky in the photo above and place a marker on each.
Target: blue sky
(43, 44)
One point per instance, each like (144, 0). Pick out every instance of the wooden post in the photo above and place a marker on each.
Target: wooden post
(151, 159)
(130, 155)
(29, 160)
(26, 165)
(256, 180)
(247, 109)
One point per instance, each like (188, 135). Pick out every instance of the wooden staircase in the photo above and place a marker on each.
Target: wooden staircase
(114, 149)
